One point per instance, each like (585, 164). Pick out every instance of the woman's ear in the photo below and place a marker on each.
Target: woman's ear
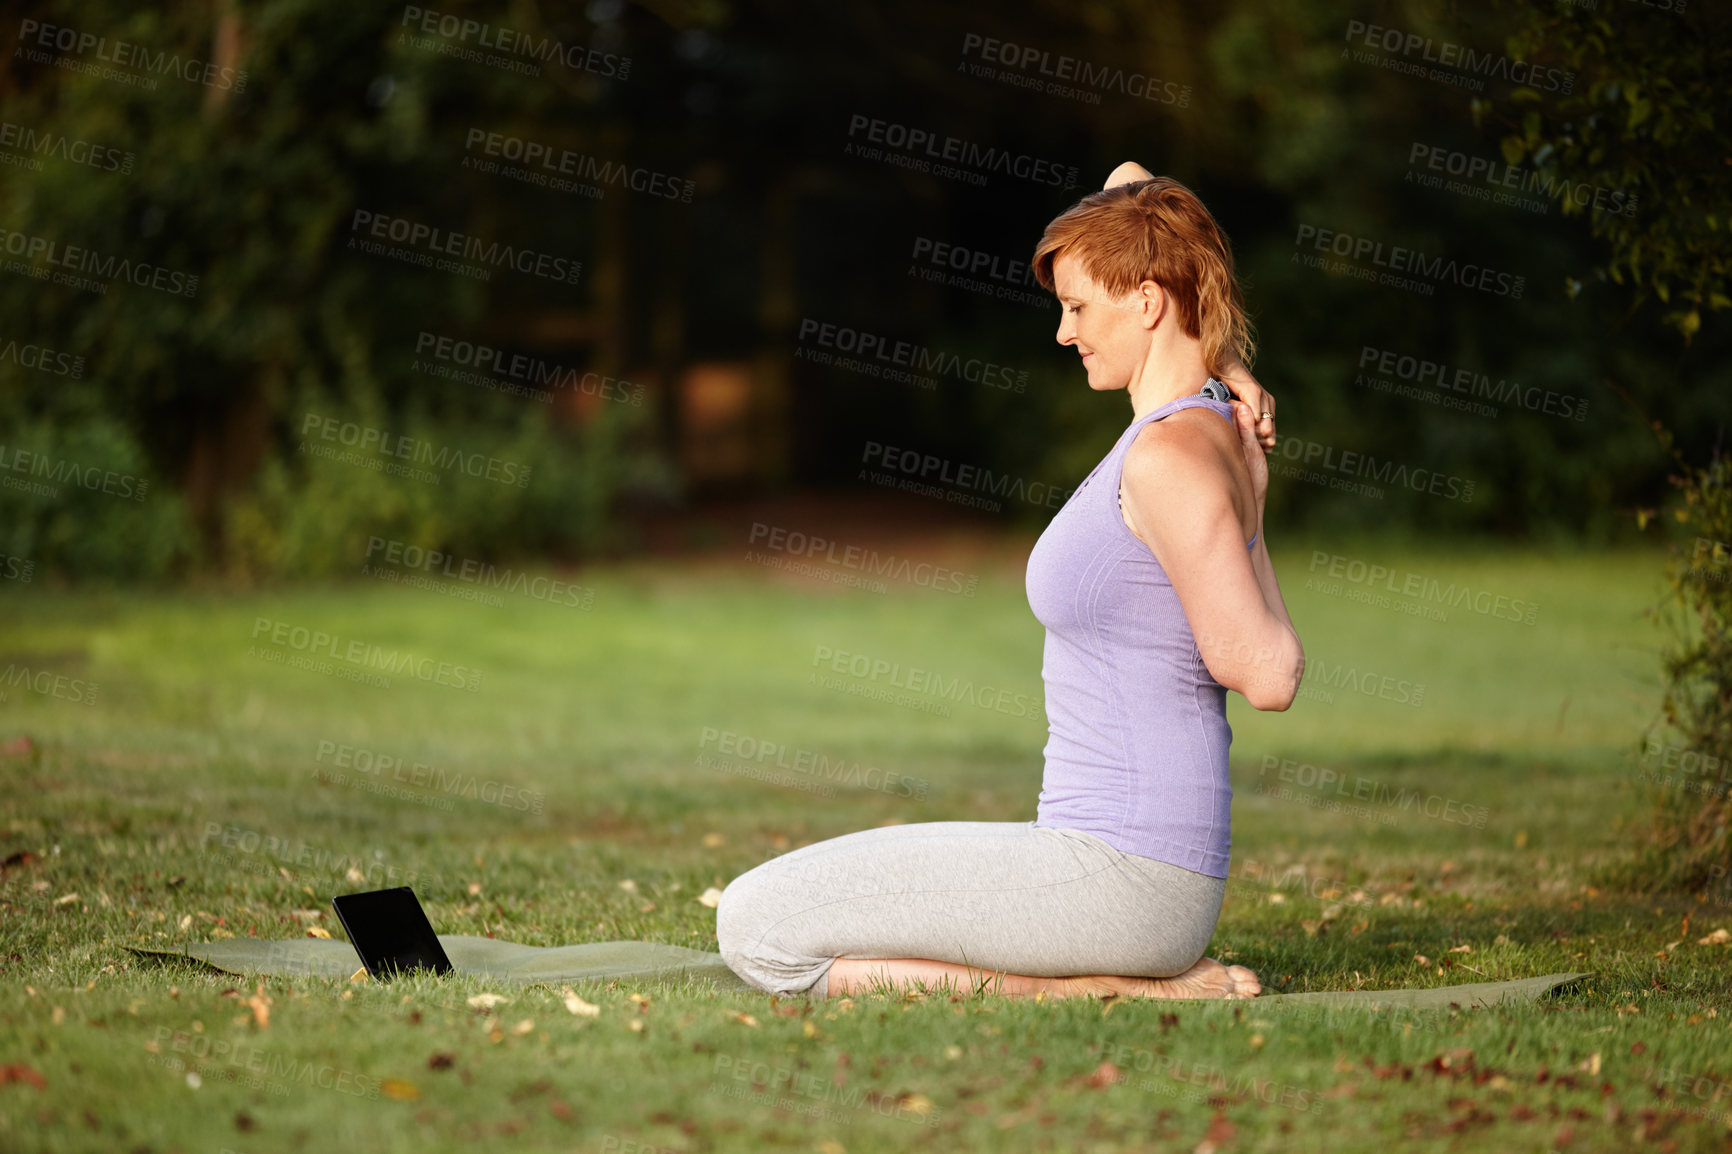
(1152, 303)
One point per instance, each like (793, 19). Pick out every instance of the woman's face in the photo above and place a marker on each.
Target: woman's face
(1112, 335)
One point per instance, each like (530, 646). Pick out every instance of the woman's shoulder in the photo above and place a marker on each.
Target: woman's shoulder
(1192, 438)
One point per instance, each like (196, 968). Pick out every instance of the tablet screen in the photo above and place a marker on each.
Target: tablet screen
(391, 932)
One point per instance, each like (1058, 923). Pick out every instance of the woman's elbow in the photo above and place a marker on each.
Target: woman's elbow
(1271, 699)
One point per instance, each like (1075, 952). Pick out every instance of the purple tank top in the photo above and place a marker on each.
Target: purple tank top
(1138, 733)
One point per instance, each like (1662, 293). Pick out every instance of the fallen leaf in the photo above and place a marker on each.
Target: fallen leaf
(488, 1001)
(1105, 1074)
(318, 932)
(359, 975)
(354, 875)
(578, 1006)
(746, 1020)
(524, 1027)
(401, 1089)
(1461, 949)
(60, 901)
(1718, 938)
(711, 897)
(22, 1073)
(442, 1061)
(628, 886)
(260, 1004)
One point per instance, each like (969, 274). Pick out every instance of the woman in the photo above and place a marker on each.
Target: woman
(1156, 590)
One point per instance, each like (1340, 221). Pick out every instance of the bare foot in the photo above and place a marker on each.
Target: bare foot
(1207, 979)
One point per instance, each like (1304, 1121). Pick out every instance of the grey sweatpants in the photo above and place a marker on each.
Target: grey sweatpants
(1009, 896)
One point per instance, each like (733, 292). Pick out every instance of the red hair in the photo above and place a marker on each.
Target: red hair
(1157, 230)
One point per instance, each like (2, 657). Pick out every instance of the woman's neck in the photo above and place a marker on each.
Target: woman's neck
(1173, 369)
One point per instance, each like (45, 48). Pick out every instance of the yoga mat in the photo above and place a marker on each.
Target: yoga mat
(652, 961)
(333, 958)
(1472, 994)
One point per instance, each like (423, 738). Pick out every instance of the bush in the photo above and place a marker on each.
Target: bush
(310, 515)
(79, 499)
(1686, 847)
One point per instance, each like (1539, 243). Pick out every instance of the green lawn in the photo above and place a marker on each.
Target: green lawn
(189, 797)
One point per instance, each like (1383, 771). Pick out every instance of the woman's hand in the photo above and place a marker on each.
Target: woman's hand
(1255, 459)
(1127, 172)
(1255, 400)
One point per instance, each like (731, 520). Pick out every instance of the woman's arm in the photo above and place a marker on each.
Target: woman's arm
(1179, 487)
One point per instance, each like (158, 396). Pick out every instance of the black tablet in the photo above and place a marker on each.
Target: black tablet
(391, 932)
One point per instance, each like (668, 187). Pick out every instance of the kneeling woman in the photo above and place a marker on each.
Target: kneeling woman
(1157, 594)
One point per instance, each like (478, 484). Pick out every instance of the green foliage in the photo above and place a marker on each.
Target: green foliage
(1638, 142)
(313, 516)
(80, 498)
(1689, 848)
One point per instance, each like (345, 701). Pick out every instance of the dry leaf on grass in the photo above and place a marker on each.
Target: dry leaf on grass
(1718, 938)
(577, 1005)
(488, 1001)
(401, 1089)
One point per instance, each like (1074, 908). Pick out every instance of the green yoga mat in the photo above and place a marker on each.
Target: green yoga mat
(333, 958)
(652, 962)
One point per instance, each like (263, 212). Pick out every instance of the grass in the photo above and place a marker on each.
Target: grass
(191, 799)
